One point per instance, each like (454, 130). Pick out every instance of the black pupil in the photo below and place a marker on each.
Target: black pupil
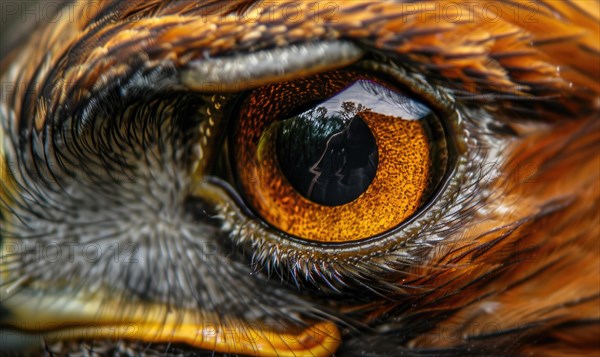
(328, 156)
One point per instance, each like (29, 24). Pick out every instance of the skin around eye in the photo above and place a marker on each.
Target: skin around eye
(337, 157)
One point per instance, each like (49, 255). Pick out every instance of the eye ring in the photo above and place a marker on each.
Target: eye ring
(374, 69)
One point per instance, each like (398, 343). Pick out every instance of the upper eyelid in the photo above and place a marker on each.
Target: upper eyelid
(266, 66)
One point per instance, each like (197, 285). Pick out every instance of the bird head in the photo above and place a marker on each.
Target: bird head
(302, 178)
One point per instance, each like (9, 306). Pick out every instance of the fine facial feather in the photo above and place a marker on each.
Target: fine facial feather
(516, 273)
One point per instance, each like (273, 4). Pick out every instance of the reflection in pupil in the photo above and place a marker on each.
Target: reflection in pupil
(346, 167)
(329, 158)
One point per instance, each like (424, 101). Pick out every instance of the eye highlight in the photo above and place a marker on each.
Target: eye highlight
(337, 157)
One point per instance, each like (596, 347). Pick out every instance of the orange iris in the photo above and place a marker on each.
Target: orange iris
(402, 164)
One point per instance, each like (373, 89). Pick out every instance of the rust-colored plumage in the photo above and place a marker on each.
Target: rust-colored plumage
(514, 270)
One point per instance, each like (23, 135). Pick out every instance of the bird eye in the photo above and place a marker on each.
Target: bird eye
(337, 157)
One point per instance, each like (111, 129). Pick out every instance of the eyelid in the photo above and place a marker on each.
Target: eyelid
(269, 66)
